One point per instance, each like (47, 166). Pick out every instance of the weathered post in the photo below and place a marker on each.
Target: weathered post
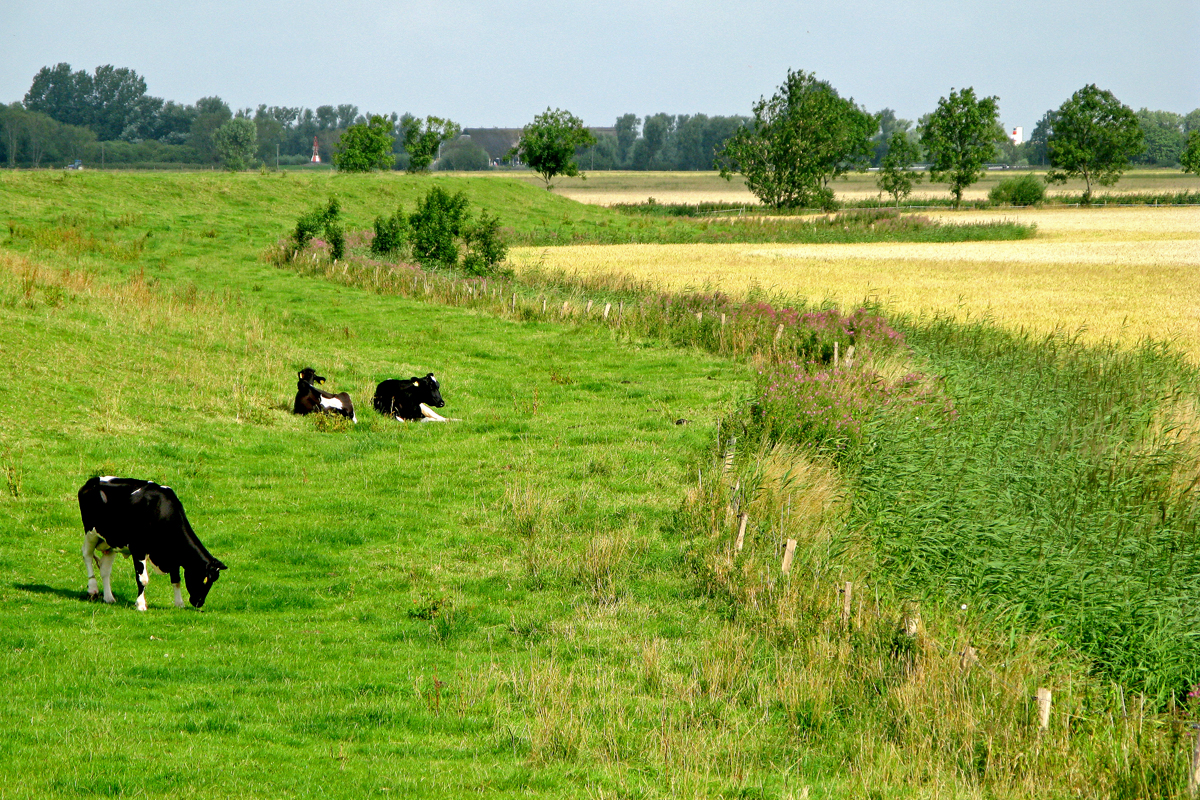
(789, 553)
(1044, 698)
(741, 537)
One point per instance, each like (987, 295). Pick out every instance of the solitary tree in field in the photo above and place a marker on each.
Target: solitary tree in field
(1190, 159)
(896, 175)
(1094, 137)
(422, 140)
(548, 144)
(366, 146)
(798, 141)
(235, 143)
(961, 135)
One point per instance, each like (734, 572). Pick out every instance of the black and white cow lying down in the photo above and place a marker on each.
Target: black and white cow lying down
(144, 520)
(410, 399)
(310, 399)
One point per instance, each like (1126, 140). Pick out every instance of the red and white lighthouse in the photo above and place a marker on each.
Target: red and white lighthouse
(316, 159)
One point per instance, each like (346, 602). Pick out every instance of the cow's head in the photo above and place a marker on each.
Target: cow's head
(199, 582)
(428, 391)
(309, 374)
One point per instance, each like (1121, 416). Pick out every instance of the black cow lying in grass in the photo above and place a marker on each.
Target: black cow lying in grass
(309, 398)
(410, 399)
(144, 520)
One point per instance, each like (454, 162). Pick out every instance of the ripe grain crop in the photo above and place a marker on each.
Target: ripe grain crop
(1117, 274)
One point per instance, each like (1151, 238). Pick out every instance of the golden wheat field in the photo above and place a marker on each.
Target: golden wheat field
(609, 188)
(1119, 274)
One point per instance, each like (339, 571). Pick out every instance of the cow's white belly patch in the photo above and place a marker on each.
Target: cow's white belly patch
(332, 402)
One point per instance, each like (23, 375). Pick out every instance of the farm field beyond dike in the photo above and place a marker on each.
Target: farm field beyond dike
(1114, 273)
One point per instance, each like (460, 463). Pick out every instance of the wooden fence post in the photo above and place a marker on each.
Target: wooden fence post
(1194, 772)
(1044, 698)
(543, 306)
(566, 304)
(778, 333)
(607, 308)
(741, 537)
(588, 310)
(729, 453)
(789, 553)
(835, 355)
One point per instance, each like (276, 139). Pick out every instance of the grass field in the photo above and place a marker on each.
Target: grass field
(544, 599)
(1118, 274)
(610, 188)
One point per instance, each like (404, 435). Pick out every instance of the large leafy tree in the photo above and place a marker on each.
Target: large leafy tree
(61, 94)
(1094, 137)
(366, 146)
(235, 143)
(548, 144)
(799, 140)
(112, 102)
(1190, 158)
(1164, 135)
(961, 136)
(422, 140)
(896, 175)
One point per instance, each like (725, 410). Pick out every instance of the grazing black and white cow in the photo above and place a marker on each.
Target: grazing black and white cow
(310, 399)
(144, 520)
(410, 399)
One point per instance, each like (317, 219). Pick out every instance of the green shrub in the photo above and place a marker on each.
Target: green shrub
(439, 220)
(310, 224)
(485, 248)
(390, 233)
(1027, 190)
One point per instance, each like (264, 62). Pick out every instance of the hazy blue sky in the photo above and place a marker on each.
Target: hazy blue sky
(484, 64)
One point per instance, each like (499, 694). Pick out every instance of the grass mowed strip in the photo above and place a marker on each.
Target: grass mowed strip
(374, 571)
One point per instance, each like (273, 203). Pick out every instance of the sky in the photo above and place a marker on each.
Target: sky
(487, 64)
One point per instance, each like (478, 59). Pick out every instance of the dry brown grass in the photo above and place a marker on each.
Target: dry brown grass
(1121, 274)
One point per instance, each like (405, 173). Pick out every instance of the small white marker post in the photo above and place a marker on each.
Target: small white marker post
(722, 320)
(543, 306)
(741, 537)
(587, 311)
(1194, 772)
(789, 553)
(620, 311)
(607, 308)
(835, 355)
(778, 333)
(1044, 699)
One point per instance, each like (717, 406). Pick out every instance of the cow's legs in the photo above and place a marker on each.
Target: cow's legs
(90, 540)
(106, 563)
(141, 577)
(175, 586)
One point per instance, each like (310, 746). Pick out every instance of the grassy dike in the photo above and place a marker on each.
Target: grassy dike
(540, 599)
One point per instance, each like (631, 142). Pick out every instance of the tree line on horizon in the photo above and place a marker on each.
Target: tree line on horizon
(107, 117)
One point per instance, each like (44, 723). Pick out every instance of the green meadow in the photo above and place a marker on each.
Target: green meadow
(543, 598)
